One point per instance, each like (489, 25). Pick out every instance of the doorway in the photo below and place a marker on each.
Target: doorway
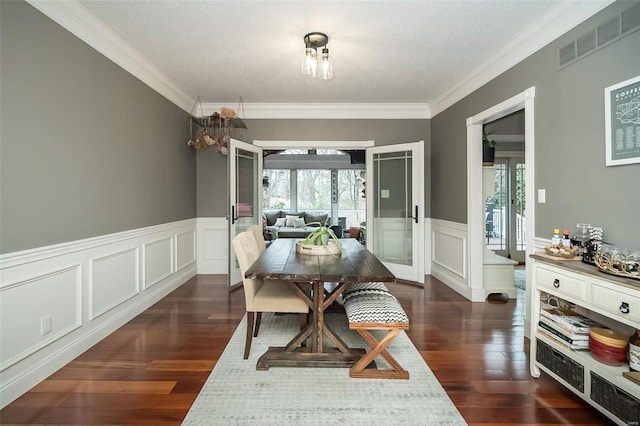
(475, 203)
(505, 209)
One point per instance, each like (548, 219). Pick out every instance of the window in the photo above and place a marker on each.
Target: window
(351, 200)
(314, 190)
(277, 192)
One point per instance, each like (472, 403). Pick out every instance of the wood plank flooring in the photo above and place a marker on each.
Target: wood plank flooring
(150, 371)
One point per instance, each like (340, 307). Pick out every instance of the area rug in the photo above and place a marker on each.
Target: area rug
(520, 279)
(236, 394)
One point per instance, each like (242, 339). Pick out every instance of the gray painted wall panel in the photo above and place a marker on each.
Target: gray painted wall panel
(86, 148)
(569, 131)
(211, 165)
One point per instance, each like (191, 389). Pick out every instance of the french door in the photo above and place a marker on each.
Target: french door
(245, 184)
(506, 234)
(395, 208)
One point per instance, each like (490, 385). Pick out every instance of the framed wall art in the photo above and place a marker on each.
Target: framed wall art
(622, 122)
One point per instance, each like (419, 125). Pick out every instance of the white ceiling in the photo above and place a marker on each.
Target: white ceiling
(420, 56)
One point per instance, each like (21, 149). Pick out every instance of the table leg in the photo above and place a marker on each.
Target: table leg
(293, 355)
(318, 316)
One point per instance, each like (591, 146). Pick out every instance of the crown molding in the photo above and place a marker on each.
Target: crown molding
(565, 16)
(76, 19)
(346, 111)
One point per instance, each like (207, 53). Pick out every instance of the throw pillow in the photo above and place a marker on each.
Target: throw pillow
(298, 222)
(272, 217)
(290, 220)
(321, 218)
(281, 221)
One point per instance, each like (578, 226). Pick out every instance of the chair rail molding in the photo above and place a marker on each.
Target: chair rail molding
(57, 301)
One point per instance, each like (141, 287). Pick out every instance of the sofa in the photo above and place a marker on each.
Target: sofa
(283, 224)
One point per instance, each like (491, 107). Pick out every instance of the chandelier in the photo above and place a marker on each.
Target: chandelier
(313, 65)
(215, 130)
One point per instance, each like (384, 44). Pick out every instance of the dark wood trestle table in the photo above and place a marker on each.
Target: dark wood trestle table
(303, 271)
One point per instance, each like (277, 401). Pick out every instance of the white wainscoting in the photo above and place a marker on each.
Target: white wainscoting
(213, 245)
(449, 257)
(58, 301)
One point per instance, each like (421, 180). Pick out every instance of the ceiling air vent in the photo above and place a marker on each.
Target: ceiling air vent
(608, 31)
(586, 43)
(567, 54)
(631, 18)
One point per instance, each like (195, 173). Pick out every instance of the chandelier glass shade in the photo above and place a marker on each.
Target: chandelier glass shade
(315, 65)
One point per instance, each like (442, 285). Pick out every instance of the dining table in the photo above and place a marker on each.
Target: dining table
(309, 275)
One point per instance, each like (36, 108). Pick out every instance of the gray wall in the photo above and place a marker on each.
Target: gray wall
(86, 148)
(569, 137)
(212, 167)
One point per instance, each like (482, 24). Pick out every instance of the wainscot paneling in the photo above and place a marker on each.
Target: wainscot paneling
(427, 246)
(113, 279)
(213, 245)
(449, 256)
(158, 261)
(58, 301)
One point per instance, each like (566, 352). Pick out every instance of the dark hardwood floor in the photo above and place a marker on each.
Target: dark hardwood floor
(150, 371)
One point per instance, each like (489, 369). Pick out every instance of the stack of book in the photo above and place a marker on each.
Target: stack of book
(566, 328)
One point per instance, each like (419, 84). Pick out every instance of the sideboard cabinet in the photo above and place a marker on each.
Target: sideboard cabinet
(608, 299)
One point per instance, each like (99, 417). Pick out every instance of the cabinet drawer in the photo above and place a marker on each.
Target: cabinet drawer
(621, 306)
(561, 284)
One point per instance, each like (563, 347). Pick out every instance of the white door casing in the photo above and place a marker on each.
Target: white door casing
(475, 204)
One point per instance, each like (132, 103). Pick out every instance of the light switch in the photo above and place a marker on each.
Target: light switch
(384, 193)
(542, 196)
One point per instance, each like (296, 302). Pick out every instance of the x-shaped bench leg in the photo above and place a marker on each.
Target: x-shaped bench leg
(359, 369)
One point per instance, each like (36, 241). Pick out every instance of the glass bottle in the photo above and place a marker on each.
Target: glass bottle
(566, 241)
(556, 237)
(634, 351)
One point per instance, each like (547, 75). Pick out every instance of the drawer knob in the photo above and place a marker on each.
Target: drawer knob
(624, 308)
(556, 283)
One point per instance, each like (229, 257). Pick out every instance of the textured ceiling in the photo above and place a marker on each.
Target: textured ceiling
(384, 51)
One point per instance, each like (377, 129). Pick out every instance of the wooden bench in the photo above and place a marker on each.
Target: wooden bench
(375, 308)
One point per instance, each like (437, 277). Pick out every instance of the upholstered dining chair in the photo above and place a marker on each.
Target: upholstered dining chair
(263, 295)
(256, 232)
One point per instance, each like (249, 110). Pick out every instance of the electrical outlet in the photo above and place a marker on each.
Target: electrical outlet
(45, 325)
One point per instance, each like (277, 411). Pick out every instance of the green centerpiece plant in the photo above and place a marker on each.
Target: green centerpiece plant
(322, 236)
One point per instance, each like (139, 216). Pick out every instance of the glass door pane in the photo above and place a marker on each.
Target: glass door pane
(245, 169)
(392, 222)
(505, 221)
(518, 209)
(497, 224)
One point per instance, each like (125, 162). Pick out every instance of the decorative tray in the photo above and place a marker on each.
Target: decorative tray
(617, 264)
(562, 252)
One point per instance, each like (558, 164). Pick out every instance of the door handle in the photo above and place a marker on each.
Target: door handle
(233, 214)
(416, 215)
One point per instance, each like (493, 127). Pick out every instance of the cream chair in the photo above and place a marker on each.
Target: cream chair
(263, 296)
(256, 231)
